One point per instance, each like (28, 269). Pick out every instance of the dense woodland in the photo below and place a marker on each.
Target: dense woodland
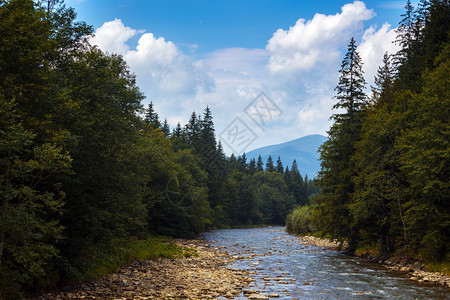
(385, 167)
(85, 167)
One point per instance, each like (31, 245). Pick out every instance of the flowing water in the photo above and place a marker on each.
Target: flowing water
(281, 264)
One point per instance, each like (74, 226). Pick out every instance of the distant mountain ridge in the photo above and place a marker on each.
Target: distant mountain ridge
(304, 150)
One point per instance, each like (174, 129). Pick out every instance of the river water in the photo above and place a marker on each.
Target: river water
(281, 264)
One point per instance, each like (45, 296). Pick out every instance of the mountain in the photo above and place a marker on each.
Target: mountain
(304, 150)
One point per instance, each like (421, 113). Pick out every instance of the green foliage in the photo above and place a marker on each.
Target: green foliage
(128, 250)
(299, 221)
(385, 176)
(425, 153)
(29, 204)
(336, 175)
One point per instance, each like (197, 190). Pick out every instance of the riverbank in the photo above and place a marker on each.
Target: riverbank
(200, 276)
(415, 271)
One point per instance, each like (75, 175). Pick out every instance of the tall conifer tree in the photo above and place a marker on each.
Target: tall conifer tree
(337, 172)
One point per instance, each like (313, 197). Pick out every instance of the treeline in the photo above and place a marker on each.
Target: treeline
(84, 167)
(385, 167)
(237, 192)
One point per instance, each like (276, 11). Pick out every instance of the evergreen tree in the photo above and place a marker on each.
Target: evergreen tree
(382, 92)
(207, 135)
(424, 154)
(242, 163)
(294, 169)
(287, 174)
(350, 89)
(269, 164)
(337, 172)
(177, 131)
(405, 35)
(151, 117)
(232, 164)
(178, 138)
(165, 128)
(259, 164)
(221, 157)
(279, 168)
(296, 185)
(252, 166)
(192, 130)
(421, 15)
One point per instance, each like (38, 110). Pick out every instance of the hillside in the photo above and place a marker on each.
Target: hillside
(303, 149)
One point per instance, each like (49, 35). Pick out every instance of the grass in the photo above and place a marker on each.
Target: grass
(126, 251)
(441, 267)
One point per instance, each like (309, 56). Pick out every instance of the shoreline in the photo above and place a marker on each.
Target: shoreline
(205, 275)
(414, 271)
(201, 276)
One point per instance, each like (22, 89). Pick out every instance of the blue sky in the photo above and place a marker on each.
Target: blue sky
(215, 24)
(189, 54)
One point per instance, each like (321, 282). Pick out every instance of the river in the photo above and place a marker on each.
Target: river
(280, 264)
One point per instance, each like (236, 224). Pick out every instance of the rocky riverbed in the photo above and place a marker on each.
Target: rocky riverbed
(198, 277)
(236, 271)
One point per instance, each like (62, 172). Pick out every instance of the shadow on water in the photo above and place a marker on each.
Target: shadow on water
(281, 264)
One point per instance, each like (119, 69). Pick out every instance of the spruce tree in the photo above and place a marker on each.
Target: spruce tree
(382, 92)
(405, 32)
(269, 164)
(252, 166)
(259, 164)
(337, 169)
(151, 116)
(165, 128)
(279, 168)
(192, 130)
(242, 163)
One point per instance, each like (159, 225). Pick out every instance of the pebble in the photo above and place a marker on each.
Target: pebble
(197, 277)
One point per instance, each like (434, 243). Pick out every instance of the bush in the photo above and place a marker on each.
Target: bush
(299, 221)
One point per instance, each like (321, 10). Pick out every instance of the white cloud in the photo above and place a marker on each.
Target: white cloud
(373, 46)
(112, 37)
(241, 60)
(307, 43)
(298, 69)
(163, 72)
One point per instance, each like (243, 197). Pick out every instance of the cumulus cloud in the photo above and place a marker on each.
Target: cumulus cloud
(161, 68)
(308, 42)
(298, 70)
(240, 60)
(373, 46)
(112, 37)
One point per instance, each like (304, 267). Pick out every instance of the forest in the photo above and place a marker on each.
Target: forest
(385, 166)
(87, 169)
